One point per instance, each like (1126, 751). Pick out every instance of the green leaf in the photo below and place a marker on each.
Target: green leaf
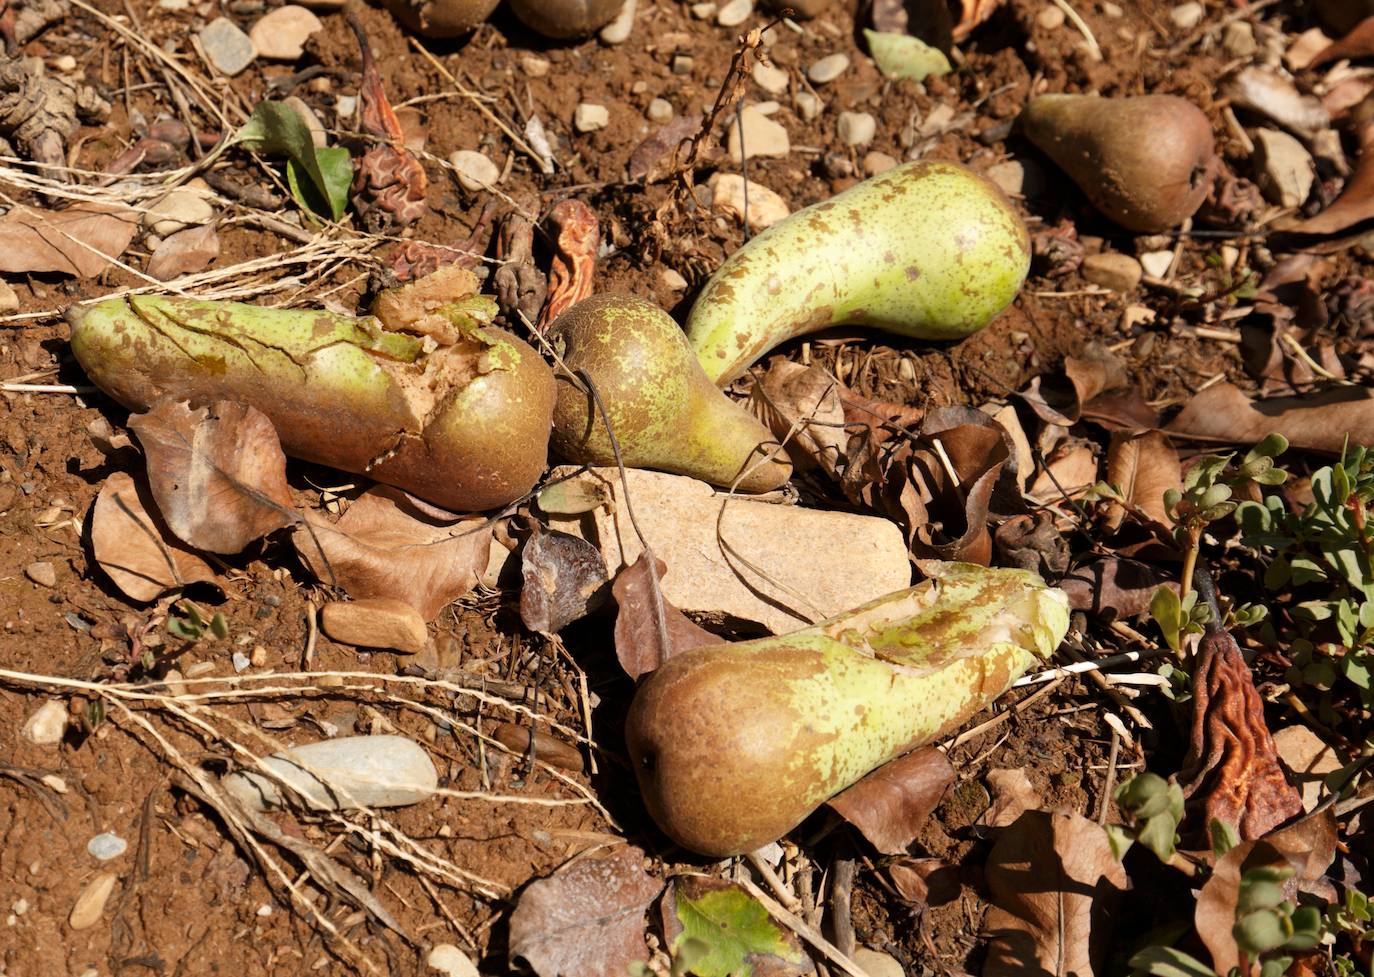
(1275, 966)
(1167, 611)
(1272, 446)
(185, 630)
(1261, 931)
(1165, 961)
(903, 56)
(1120, 838)
(277, 129)
(1224, 837)
(734, 926)
(219, 627)
(1159, 834)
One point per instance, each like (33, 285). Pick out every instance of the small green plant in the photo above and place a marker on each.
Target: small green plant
(1155, 808)
(187, 621)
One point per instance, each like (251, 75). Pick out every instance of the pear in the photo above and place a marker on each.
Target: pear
(664, 411)
(735, 744)
(566, 19)
(441, 18)
(1146, 162)
(1341, 16)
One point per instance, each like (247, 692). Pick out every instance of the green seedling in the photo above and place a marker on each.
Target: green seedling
(1154, 808)
(319, 177)
(188, 622)
(926, 250)
(735, 744)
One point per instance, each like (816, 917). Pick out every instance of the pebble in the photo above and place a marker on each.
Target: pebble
(589, 117)
(345, 106)
(377, 622)
(281, 34)
(47, 724)
(1112, 10)
(1238, 39)
(181, 208)
(318, 135)
(673, 281)
(9, 299)
(474, 170)
(63, 64)
(534, 67)
(174, 5)
(240, 661)
(856, 128)
(660, 110)
(1156, 263)
(1286, 170)
(683, 63)
(1186, 16)
(184, 253)
(1119, 272)
(827, 69)
(618, 30)
(1010, 176)
(450, 960)
(226, 47)
(808, 105)
(342, 774)
(769, 107)
(765, 207)
(762, 136)
(91, 903)
(735, 13)
(875, 963)
(770, 78)
(107, 846)
(41, 573)
(703, 11)
(1050, 19)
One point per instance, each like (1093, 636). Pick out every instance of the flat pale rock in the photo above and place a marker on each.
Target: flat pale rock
(786, 565)
(474, 170)
(1110, 269)
(589, 117)
(281, 35)
(376, 622)
(184, 253)
(770, 78)
(762, 136)
(856, 128)
(342, 774)
(227, 47)
(827, 69)
(90, 905)
(765, 207)
(448, 959)
(181, 208)
(1286, 171)
(42, 573)
(9, 299)
(735, 13)
(46, 725)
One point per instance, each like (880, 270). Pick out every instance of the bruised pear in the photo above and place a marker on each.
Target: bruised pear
(735, 744)
(664, 411)
(566, 19)
(441, 18)
(1341, 16)
(1146, 162)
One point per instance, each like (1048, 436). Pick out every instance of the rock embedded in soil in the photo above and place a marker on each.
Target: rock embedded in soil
(342, 774)
(1186, 16)
(474, 170)
(850, 559)
(660, 111)
(534, 67)
(827, 69)
(808, 106)
(90, 905)
(734, 13)
(765, 207)
(41, 573)
(762, 136)
(856, 128)
(226, 47)
(376, 622)
(672, 280)
(589, 117)
(1285, 171)
(1119, 272)
(618, 30)
(181, 208)
(1051, 18)
(877, 964)
(877, 162)
(448, 959)
(281, 34)
(106, 846)
(47, 725)
(184, 253)
(9, 300)
(771, 79)
(1238, 39)
(1156, 264)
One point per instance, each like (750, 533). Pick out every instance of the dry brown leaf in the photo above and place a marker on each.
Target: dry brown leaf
(82, 240)
(134, 547)
(978, 452)
(1055, 885)
(638, 639)
(1143, 466)
(528, 741)
(1308, 759)
(925, 881)
(1012, 796)
(802, 404)
(564, 579)
(218, 473)
(1032, 542)
(1071, 469)
(385, 547)
(890, 805)
(1114, 588)
(1356, 202)
(1320, 422)
(587, 919)
(1061, 400)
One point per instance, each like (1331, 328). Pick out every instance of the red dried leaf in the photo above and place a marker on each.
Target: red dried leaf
(639, 640)
(564, 577)
(1359, 43)
(890, 805)
(577, 239)
(134, 547)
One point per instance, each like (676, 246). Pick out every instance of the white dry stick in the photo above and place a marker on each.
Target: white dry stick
(1083, 28)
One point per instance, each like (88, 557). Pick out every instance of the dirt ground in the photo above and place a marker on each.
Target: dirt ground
(189, 898)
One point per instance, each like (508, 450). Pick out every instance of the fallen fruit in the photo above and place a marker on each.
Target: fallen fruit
(1146, 162)
(1341, 16)
(441, 18)
(563, 19)
(735, 744)
(453, 411)
(927, 250)
(665, 412)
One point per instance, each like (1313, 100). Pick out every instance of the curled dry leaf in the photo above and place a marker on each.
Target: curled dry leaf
(1012, 796)
(733, 930)
(1061, 400)
(890, 805)
(1356, 202)
(1114, 588)
(1071, 469)
(134, 547)
(1275, 97)
(536, 743)
(1055, 886)
(639, 639)
(969, 456)
(653, 159)
(1320, 422)
(82, 240)
(801, 406)
(1143, 466)
(1032, 542)
(925, 881)
(587, 919)
(218, 473)
(385, 547)
(564, 579)
(577, 239)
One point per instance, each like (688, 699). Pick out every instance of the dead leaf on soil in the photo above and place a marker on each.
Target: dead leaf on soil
(528, 741)
(137, 551)
(893, 803)
(1114, 588)
(1308, 759)
(1320, 422)
(1061, 399)
(1143, 466)
(734, 933)
(385, 547)
(1071, 469)
(1359, 43)
(1054, 886)
(1356, 202)
(82, 240)
(564, 580)
(925, 881)
(217, 473)
(1012, 796)
(638, 639)
(1032, 542)
(802, 404)
(967, 459)
(587, 919)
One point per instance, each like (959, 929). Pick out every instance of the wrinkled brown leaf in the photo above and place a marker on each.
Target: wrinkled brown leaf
(638, 640)
(1071, 469)
(1308, 846)
(1032, 543)
(1114, 588)
(1356, 202)
(384, 547)
(925, 881)
(218, 473)
(802, 404)
(563, 580)
(893, 803)
(1060, 400)
(82, 240)
(652, 160)
(1321, 421)
(1055, 885)
(1143, 466)
(137, 551)
(1012, 796)
(587, 919)
(980, 453)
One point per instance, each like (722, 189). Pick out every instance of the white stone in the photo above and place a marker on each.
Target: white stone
(1050, 19)
(703, 11)
(808, 105)
(875, 163)
(90, 905)
(770, 78)
(1010, 176)
(672, 280)
(281, 34)
(849, 559)
(589, 117)
(448, 959)
(875, 963)
(660, 110)
(856, 128)
(342, 774)
(474, 170)
(106, 846)
(618, 30)
(765, 207)
(827, 69)
(1286, 171)
(1113, 270)
(226, 47)
(1186, 16)
(42, 573)
(47, 724)
(762, 136)
(1156, 264)
(769, 107)
(1238, 38)
(182, 207)
(9, 299)
(735, 13)
(534, 67)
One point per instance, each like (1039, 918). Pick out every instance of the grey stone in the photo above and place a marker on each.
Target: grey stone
(827, 69)
(226, 47)
(474, 170)
(47, 724)
(856, 128)
(1285, 168)
(342, 774)
(106, 846)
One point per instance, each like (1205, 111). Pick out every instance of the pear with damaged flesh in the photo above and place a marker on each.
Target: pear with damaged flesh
(665, 413)
(735, 744)
(926, 250)
(1146, 162)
